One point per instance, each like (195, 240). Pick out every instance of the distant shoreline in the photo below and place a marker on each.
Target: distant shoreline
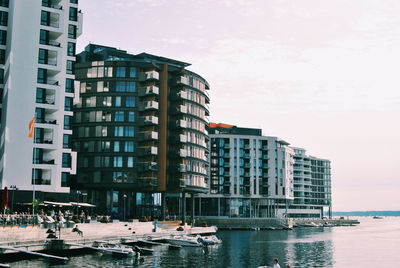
(369, 213)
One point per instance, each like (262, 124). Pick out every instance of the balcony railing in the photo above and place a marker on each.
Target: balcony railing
(151, 75)
(148, 105)
(148, 135)
(148, 150)
(149, 120)
(181, 123)
(150, 90)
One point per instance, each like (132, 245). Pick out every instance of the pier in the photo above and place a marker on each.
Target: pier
(33, 239)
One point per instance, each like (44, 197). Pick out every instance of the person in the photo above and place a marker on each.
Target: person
(76, 229)
(276, 264)
(288, 266)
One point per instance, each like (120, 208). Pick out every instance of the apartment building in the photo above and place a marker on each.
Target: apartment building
(37, 56)
(140, 130)
(251, 174)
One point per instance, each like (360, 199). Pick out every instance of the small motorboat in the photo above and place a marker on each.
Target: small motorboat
(184, 241)
(209, 240)
(377, 217)
(115, 249)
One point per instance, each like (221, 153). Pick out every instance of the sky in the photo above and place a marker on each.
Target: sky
(322, 75)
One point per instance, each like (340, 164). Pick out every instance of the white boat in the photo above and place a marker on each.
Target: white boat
(183, 240)
(114, 249)
(209, 240)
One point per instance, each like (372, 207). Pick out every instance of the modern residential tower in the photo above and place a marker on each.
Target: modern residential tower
(251, 175)
(37, 55)
(140, 129)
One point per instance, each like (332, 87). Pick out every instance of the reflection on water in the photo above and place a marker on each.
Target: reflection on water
(369, 244)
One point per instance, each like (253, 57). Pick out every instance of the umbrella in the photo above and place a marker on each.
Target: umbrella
(5, 198)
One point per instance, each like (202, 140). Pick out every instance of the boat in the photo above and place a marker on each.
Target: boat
(115, 249)
(209, 240)
(377, 217)
(143, 251)
(184, 240)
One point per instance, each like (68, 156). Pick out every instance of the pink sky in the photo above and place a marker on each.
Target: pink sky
(323, 75)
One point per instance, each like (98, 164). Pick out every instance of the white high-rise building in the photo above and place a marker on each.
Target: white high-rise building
(37, 56)
(251, 175)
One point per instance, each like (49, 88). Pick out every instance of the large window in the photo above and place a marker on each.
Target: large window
(45, 18)
(117, 161)
(70, 67)
(42, 76)
(73, 14)
(117, 146)
(40, 95)
(39, 115)
(67, 122)
(129, 132)
(69, 85)
(130, 87)
(118, 131)
(66, 141)
(68, 104)
(120, 72)
(129, 161)
(37, 156)
(132, 72)
(120, 86)
(118, 101)
(131, 117)
(129, 147)
(44, 37)
(73, 1)
(2, 56)
(119, 116)
(71, 49)
(3, 37)
(3, 18)
(4, 3)
(43, 56)
(71, 31)
(65, 179)
(130, 101)
(66, 160)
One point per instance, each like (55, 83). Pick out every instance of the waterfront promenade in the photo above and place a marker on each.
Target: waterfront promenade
(34, 238)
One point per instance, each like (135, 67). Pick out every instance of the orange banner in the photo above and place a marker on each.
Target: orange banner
(31, 127)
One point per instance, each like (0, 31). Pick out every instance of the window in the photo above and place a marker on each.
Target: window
(37, 155)
(71, 31)
(119, 131)
(132, 72)
(66, 141)
(44, 37)
(39, 115)
(131, 117)
(1, 78)
(42, 76)
(69, 85)
(119, 116)
(120, 72)
(3, 37)
(117, 101)
(116, 146)
(128, 147)
(37, 177)
(129, 161)
(105, 146)
(73, 1)
(107, 101)
(67, 122)
(68, 104)
(66, 160)
(3, 18)
(130, 87)
(73, 14)
(120, 86)
(71, 49)
(65, 180)
(45, 18)
(40, 95)
(70, 67)
(4, 3)
(117, 161)
(43, 56)
(2, 56)
(38, 135)
(129, 132)
(130, 101)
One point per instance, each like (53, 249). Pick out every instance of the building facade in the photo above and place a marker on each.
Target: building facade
(37, 55)
(140, 130)
(312, 186)
(251, 175)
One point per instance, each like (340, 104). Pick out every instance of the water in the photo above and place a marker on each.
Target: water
(373, 243)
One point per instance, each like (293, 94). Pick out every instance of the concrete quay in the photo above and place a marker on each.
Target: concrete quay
(34, 238)
(227, 223)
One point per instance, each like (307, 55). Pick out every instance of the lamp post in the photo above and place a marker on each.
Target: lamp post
(78, 193)
(13, 188)
(124, 196)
